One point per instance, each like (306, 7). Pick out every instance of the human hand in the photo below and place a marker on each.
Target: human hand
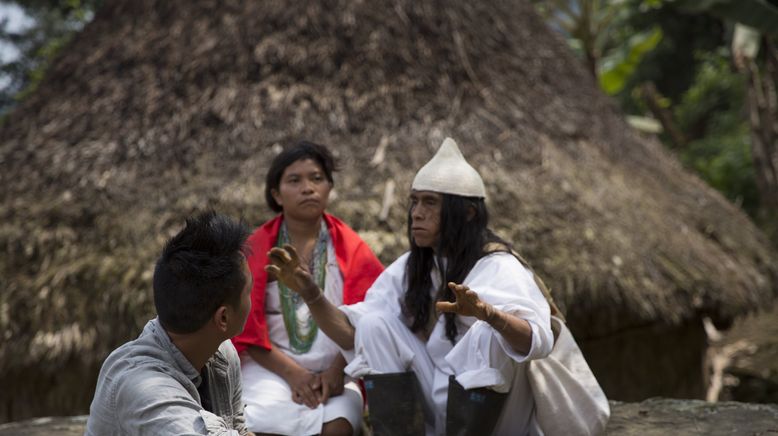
(285, 265)
(305, 387)
(467, 303)
(331, 382)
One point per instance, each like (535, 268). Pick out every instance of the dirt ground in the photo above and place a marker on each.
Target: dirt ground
(653, 417)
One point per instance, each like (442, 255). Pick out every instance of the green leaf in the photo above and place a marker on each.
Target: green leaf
(617, 68)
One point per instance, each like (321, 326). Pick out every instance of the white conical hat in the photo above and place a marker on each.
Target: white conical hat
(449, 173)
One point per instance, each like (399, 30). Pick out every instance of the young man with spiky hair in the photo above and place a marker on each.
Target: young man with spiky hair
(182, 374)
(444, 334)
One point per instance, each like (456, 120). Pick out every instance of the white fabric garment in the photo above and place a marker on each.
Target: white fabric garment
(268, 398)
(481, 357)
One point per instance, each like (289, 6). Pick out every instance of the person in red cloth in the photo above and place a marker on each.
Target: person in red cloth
(293, 380)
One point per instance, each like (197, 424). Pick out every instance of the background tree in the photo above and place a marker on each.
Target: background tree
(715, 101)
(754, 54)
(53, 22)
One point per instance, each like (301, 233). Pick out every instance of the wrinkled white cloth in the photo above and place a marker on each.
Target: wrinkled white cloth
(271, 409)
(481, 357)
(569, 399)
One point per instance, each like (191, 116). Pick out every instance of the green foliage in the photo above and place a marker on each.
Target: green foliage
(712, 113)
(716, 88)
(588, 24)
(671, 65)
(45, 54)
(724, 162)
(686, 55)
(55, 21)
(616, 69)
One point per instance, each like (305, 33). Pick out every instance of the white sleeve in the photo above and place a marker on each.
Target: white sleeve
(385, 294)
(500, 280)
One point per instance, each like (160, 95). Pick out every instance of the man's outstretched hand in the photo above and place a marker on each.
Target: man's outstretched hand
(467, 303)
(517, 331)
(285, 265)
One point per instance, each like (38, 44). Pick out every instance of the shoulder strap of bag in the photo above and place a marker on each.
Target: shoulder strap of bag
(496, 246)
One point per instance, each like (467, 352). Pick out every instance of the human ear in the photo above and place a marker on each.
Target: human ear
(220, 318)
(276, 196)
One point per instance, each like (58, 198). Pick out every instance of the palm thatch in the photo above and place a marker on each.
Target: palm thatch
(160, 108)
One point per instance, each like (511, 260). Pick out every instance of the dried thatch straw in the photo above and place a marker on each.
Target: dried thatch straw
(160, 108)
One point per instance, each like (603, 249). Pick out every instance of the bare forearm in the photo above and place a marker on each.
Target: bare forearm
(515, 330)
(285, 266)
(332, 321)
(275, 361)
(338, 363)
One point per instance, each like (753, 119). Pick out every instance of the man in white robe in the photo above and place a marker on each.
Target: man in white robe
(458, 304)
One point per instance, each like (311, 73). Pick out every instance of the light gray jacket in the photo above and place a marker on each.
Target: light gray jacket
(148, 387)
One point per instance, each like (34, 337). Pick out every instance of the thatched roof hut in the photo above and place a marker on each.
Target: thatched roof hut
(160, 108)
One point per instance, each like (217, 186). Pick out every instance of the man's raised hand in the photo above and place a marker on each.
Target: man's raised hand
(466, 303)
(285, 265)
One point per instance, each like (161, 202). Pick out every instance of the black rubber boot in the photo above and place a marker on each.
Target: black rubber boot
(395, 404)
(472, 412)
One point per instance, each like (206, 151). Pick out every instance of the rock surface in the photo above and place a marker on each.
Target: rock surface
(662, 416)
(653, 417)
(61, 426)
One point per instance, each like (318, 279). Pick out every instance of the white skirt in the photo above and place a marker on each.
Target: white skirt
(270, 409)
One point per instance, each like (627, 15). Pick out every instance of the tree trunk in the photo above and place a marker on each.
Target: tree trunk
(763, 118)
(653, 98)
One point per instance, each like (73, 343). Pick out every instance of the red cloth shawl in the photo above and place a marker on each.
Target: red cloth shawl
(357, 263)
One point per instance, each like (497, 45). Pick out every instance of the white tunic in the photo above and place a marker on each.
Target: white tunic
(481, 357)
(268, 398)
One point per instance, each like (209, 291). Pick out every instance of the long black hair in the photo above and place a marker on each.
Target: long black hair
(463, 236)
